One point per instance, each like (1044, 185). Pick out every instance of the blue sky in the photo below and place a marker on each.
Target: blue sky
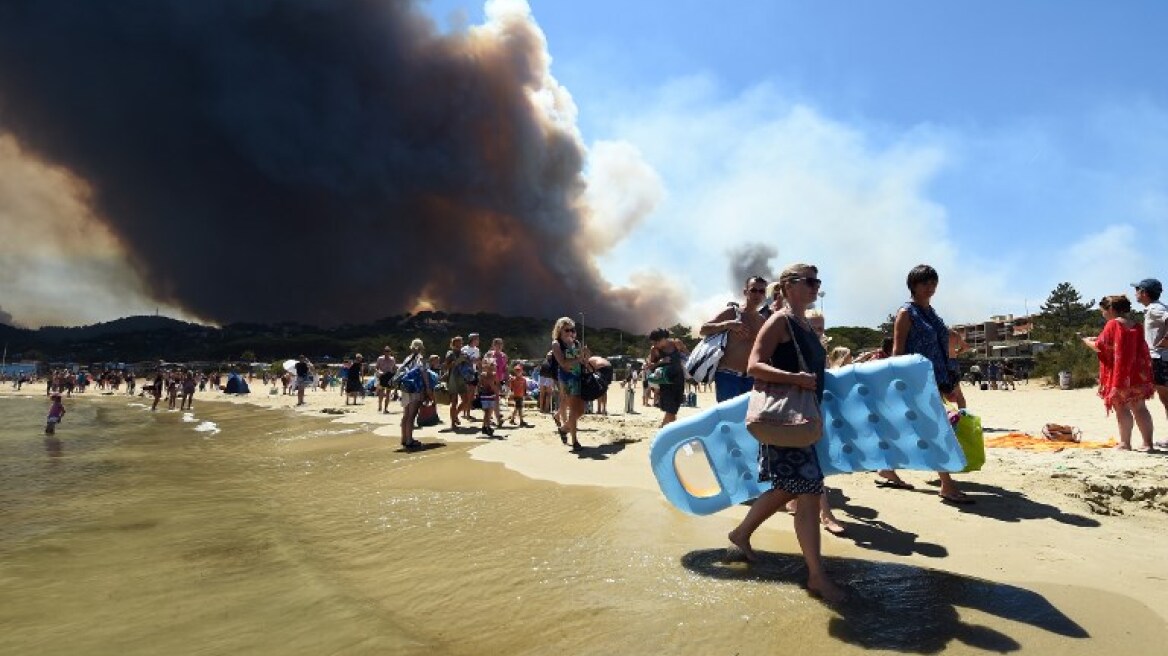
(1013, 145)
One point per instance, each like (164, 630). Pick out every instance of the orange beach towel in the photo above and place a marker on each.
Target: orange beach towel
(1031, 443)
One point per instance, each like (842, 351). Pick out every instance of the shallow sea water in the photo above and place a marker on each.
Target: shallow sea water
(235, 530)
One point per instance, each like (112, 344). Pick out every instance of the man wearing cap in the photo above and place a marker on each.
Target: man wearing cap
(1148, 293)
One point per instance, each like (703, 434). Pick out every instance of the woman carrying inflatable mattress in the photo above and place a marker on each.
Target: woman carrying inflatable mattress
(794, 473)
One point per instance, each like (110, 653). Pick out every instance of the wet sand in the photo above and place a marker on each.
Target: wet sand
(1035, 565)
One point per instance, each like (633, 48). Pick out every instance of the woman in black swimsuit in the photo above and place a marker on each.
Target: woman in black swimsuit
(794, 473)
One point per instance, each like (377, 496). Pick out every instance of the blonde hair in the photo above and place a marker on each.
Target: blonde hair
(791, 274)
(416, 345)
(561, 324)
(838, 357)
(456, 338)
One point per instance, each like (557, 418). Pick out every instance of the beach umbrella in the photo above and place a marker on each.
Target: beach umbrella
(290, 366)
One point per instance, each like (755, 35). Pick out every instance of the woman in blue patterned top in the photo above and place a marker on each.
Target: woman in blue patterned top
(919, 330)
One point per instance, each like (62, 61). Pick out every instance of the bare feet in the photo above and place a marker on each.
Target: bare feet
(826, 589)
(832, 526)
(742, 543)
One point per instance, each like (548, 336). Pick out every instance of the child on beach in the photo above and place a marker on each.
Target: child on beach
(518, 392)
(488, 394)
(56, 414)
(156, 391)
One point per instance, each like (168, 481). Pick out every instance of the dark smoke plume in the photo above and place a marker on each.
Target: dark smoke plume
(750, 260)
(370, 161)
(6, 318)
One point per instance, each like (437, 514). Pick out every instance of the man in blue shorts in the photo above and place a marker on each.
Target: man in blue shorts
(741, 326)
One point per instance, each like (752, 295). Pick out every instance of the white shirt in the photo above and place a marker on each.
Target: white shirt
(1155, 323)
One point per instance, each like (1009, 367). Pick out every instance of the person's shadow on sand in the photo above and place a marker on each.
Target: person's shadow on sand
(602, 451)
(425, 446)
(901, 607)
(1005, 505)
(868, 532)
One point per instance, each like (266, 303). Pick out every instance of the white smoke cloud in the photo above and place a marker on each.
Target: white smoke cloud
(622, 191)
(863, 202)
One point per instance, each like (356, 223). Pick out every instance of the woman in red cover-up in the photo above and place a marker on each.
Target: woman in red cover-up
(1125, 370)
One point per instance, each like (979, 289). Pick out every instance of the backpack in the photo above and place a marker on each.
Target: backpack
(468, 373)
(403, 369)
(409, 376)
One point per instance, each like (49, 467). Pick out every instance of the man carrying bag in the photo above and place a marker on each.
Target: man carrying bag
(735, 329)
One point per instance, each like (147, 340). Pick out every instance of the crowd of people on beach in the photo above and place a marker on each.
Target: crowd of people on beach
(467, 378)
(772, 324)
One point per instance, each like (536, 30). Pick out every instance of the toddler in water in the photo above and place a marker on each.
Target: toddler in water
(56, 414)
(518, 392)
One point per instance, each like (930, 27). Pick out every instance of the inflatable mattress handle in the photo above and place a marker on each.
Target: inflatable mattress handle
(877, 415)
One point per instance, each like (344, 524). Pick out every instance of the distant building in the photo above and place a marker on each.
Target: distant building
(1001, 336)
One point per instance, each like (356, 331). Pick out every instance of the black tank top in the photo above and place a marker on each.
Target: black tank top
(785, 357)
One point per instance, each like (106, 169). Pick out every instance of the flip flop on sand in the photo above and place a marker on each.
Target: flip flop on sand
(560, 429)
(895, 485)
(958, 499)
(1163, 445)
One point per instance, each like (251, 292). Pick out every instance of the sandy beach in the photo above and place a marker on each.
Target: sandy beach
(1069, 519)
(1018, 485)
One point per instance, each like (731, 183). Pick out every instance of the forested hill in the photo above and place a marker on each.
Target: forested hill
(142, 338)
(145, 338)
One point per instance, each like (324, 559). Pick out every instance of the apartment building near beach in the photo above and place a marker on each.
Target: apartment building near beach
(1001, 336)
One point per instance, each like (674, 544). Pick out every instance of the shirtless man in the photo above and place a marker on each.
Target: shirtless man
(385, 365)
(730, 380)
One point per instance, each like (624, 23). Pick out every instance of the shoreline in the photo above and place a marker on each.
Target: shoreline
(1094, 518)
